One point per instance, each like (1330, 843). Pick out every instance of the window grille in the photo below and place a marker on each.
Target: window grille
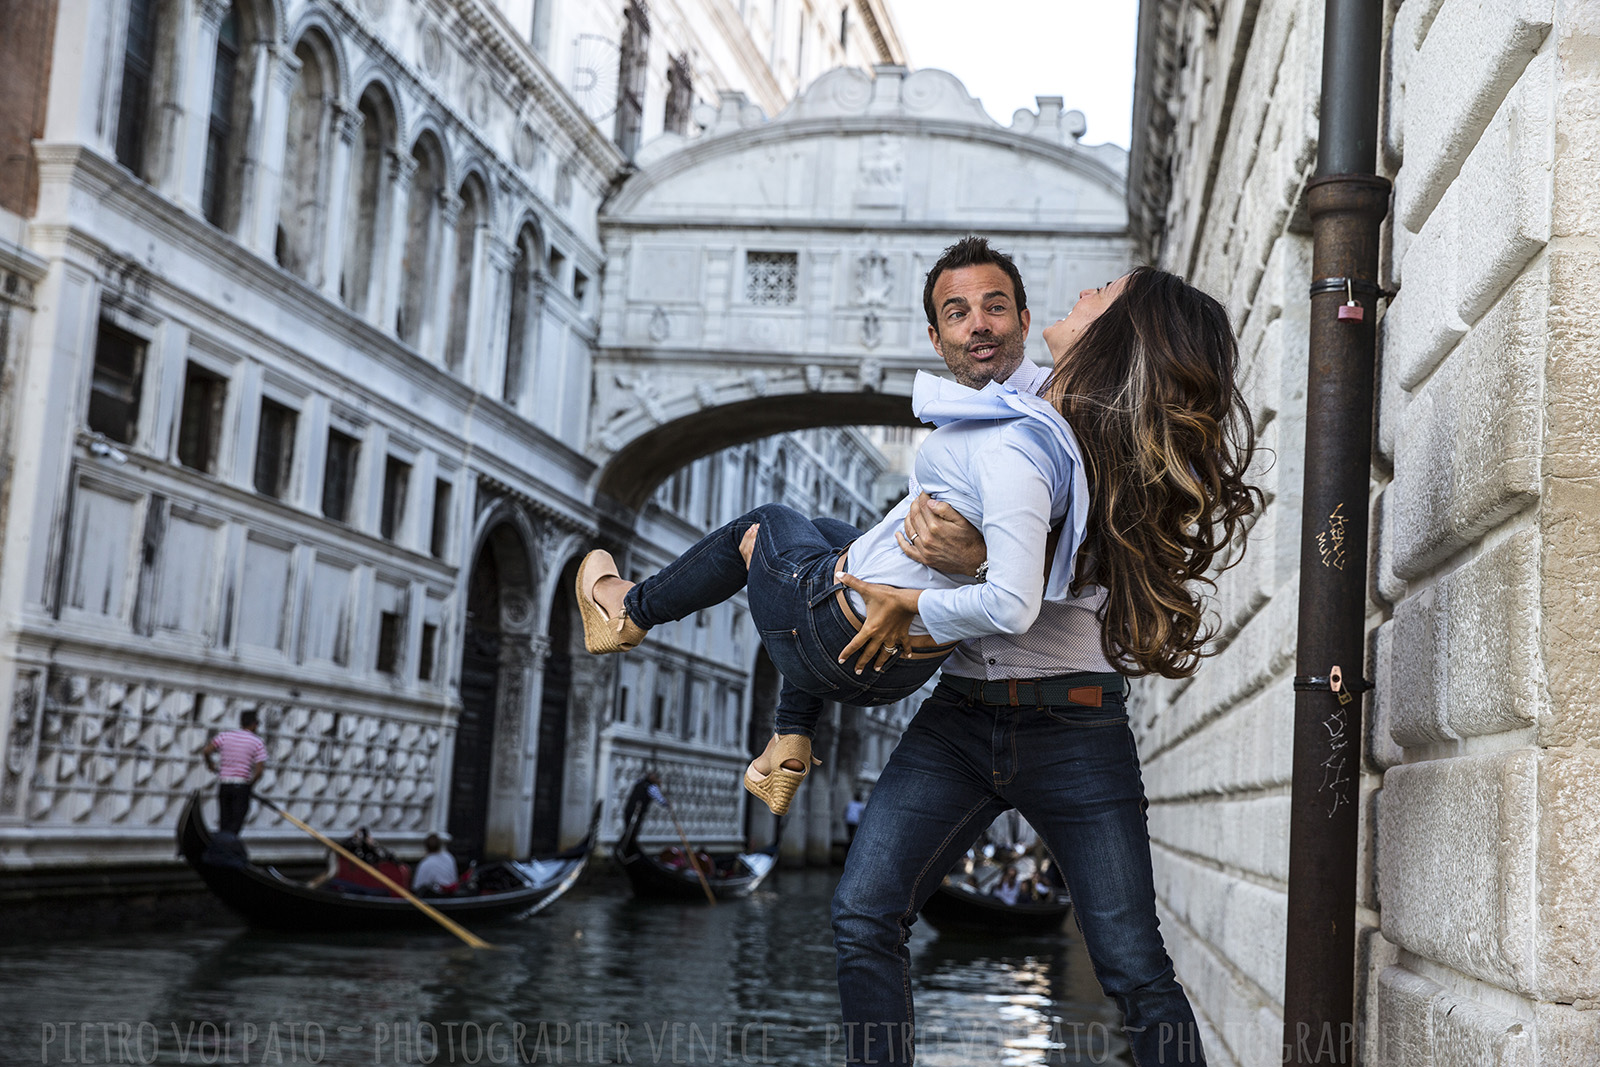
(200, 421)
(339, 475)
(117, 384)
(770, 278)
(275, 449)
(138, 69)
(219, 131)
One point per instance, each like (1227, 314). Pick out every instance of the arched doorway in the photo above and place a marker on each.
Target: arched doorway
(498, 592)
(549, 775)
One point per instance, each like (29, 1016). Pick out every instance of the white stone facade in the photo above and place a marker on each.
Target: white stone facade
(298, 322)
(1480, 817)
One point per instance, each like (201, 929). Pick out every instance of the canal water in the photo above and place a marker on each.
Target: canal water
(600, 978)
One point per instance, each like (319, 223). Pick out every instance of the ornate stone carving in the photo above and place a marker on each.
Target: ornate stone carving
(870, 374)
(525, 147)
(880, 179)
(478, 101)
(704, 798)
(432, 50)
(660, 325)
(564, 184)
(871, 330)
(347, 120)
(123, 282)
(516, 611)
(874, 280)
(19, 740)
(121, 753)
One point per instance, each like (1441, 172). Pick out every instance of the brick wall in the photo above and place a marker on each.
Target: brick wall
(25, 47)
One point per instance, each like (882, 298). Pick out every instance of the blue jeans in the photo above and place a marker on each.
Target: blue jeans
(793, 603)
(1072, 772)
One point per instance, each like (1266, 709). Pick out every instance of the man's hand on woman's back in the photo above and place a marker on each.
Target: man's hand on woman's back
(936, 536)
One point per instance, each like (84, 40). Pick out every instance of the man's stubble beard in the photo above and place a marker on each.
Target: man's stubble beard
(998, 367)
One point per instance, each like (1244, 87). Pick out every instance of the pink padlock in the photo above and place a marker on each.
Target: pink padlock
(1352, 313)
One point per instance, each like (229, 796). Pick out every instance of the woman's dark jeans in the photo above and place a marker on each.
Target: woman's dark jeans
(793, 602)
(1073, 773)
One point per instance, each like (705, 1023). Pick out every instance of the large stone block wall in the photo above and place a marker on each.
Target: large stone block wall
(1480, 823)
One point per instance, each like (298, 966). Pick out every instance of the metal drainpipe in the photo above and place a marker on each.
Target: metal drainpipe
(1347, 202)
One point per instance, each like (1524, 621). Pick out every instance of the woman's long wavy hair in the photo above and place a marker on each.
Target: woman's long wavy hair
(1149, 388)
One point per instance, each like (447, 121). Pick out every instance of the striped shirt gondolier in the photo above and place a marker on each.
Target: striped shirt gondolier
(238, 752)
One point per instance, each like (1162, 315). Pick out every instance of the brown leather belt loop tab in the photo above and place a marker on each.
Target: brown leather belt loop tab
(1011, 686)
(1088, 695)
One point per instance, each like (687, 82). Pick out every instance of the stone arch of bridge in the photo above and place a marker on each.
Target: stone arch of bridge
(766, 275)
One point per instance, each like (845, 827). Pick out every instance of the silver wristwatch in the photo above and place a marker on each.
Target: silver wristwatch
(982, 573)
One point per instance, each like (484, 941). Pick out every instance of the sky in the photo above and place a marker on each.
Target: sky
(1010, 51)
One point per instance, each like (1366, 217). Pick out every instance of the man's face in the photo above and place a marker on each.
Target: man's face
(978, 331)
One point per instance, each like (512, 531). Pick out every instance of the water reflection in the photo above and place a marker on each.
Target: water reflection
(600, 978)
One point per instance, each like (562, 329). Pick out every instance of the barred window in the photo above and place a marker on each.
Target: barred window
(769, 277)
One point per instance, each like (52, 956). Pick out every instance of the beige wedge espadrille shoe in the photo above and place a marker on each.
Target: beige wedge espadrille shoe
(777, 787)
(602, 633)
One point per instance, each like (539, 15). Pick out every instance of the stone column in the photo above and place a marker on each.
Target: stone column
(200, 46)
(387, 277)
(486, 342)
(509, 821)
(436, 310)
(345, 128)
(261, 178)
(538, 287)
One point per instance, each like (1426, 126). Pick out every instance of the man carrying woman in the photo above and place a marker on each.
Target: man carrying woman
(1029, 712)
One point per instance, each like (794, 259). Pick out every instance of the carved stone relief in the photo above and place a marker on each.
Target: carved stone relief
(113, 753)
(704, 798)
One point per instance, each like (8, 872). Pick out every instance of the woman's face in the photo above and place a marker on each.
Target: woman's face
(1092, 303)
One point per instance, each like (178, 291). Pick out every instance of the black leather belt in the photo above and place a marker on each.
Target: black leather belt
(1083, 688)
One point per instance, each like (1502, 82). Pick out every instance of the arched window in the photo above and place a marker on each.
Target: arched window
(474, 204)
(522, 331)
(302, 198)
(369, 198)
(422, 238)
(228, 123)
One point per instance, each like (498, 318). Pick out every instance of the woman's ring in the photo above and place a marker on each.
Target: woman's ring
(893, 650)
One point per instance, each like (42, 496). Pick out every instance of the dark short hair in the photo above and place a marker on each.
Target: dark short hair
(971, 252)
(432, 843)
(249, 717)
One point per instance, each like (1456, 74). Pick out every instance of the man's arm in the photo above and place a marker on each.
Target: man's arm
(936, 536)
(208, 752)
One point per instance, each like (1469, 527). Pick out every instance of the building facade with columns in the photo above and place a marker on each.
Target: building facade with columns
(336, 331)
(1479, 853)
(300, 301)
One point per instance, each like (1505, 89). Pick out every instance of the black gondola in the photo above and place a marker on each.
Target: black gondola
(264, 897)
(733, 875)
(956, 907)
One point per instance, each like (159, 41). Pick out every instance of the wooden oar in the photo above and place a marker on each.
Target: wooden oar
(688, 850)
(431, 912)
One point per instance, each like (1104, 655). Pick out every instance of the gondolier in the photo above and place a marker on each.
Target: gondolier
(645, 790)
(238, 757)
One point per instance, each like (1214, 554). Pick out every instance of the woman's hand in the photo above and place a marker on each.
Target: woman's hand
(887, 626)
